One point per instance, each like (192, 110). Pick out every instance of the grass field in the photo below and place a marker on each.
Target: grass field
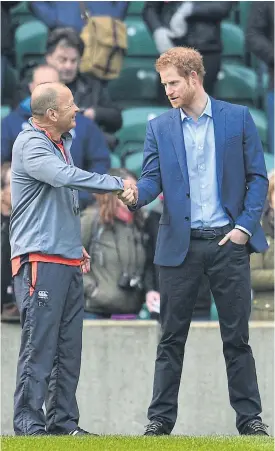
(117, 443)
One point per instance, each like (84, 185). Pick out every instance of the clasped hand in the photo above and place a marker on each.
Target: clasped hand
(130, 194)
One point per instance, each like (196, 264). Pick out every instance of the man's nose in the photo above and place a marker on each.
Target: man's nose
(76, 108)
(68, 65)
(169, 91)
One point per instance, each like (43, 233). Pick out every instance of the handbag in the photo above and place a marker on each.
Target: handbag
(105, 44)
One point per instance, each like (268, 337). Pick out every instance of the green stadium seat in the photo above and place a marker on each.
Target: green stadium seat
(239, 13)
(20, 9)
(244, 8)
(144, 313)
(5, 110)
(236, 84)
(137, 84)
(135, 8)
(140, 42)
(213, 310)
(10, 82)
(131, 136)
(133, 162)
(30, 42)
(21, 14)
(233, 41)
(269, 161)
(235, 13)
(260, 119)
(115, 161)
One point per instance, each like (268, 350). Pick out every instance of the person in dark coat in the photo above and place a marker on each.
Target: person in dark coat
(191, 24)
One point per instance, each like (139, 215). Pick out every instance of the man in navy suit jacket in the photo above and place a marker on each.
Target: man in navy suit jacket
(207, 158)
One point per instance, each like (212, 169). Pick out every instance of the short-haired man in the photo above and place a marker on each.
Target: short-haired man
(89, 149)
(47, 257)
(207, 158)
(64, 49)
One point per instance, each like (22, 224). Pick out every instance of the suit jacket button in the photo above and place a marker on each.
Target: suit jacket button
(188, 195)
(186, 218)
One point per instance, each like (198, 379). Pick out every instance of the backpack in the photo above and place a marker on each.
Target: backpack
(105, 44)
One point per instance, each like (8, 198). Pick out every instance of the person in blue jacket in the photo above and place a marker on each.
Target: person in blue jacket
(68, 14)
(89, 149)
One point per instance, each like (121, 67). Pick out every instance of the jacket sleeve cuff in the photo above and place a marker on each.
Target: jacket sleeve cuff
(243, 230)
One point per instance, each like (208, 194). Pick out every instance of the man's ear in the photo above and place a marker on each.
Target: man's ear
(194, 77)
(52, 115)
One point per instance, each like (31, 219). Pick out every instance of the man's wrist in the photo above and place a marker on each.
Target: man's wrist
(242, 229)
(135, 203)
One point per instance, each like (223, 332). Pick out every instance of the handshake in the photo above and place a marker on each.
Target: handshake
(130, 194)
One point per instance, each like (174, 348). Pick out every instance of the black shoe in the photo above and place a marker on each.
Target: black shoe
(155, 428)
(255, 427)
(79, 431)
(40, 433)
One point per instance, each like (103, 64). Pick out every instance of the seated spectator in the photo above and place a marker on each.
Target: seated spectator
(9, 311)
(203, 304)
(68, 14)
(115, 284)
(89, 149)
(64, 49)
(262, 265)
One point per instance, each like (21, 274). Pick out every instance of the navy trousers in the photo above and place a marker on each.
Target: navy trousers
(228, 270)
(50, 299)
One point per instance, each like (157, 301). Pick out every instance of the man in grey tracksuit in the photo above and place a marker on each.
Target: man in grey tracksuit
(47, 258)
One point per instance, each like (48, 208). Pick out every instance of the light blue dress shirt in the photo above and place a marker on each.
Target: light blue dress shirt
(199, 138)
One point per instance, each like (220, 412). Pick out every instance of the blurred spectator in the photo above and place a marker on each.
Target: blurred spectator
(89, 149)
(262, 265)
(9, 311)
(191, 24)
(203, 304)
(260, 41)
(7, 46)
(68, 14)
(63, 52)
(100, 24)
(115, 285)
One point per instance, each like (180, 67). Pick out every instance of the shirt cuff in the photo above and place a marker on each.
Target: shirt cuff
(243, 230)
(135, 204)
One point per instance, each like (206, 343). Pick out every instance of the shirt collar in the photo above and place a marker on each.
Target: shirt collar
(207, 110)
(64, 136)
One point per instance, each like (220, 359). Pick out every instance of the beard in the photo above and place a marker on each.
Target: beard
(188, 97)
(185, 98)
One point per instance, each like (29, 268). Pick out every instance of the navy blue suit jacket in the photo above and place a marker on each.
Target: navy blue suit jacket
(241, 174)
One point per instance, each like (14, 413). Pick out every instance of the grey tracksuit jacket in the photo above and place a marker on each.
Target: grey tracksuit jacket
(45, 214)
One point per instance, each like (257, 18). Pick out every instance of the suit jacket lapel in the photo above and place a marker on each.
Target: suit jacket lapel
(178, 142)
(219, 121)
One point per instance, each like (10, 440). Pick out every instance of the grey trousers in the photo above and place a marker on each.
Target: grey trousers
(50, 299)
